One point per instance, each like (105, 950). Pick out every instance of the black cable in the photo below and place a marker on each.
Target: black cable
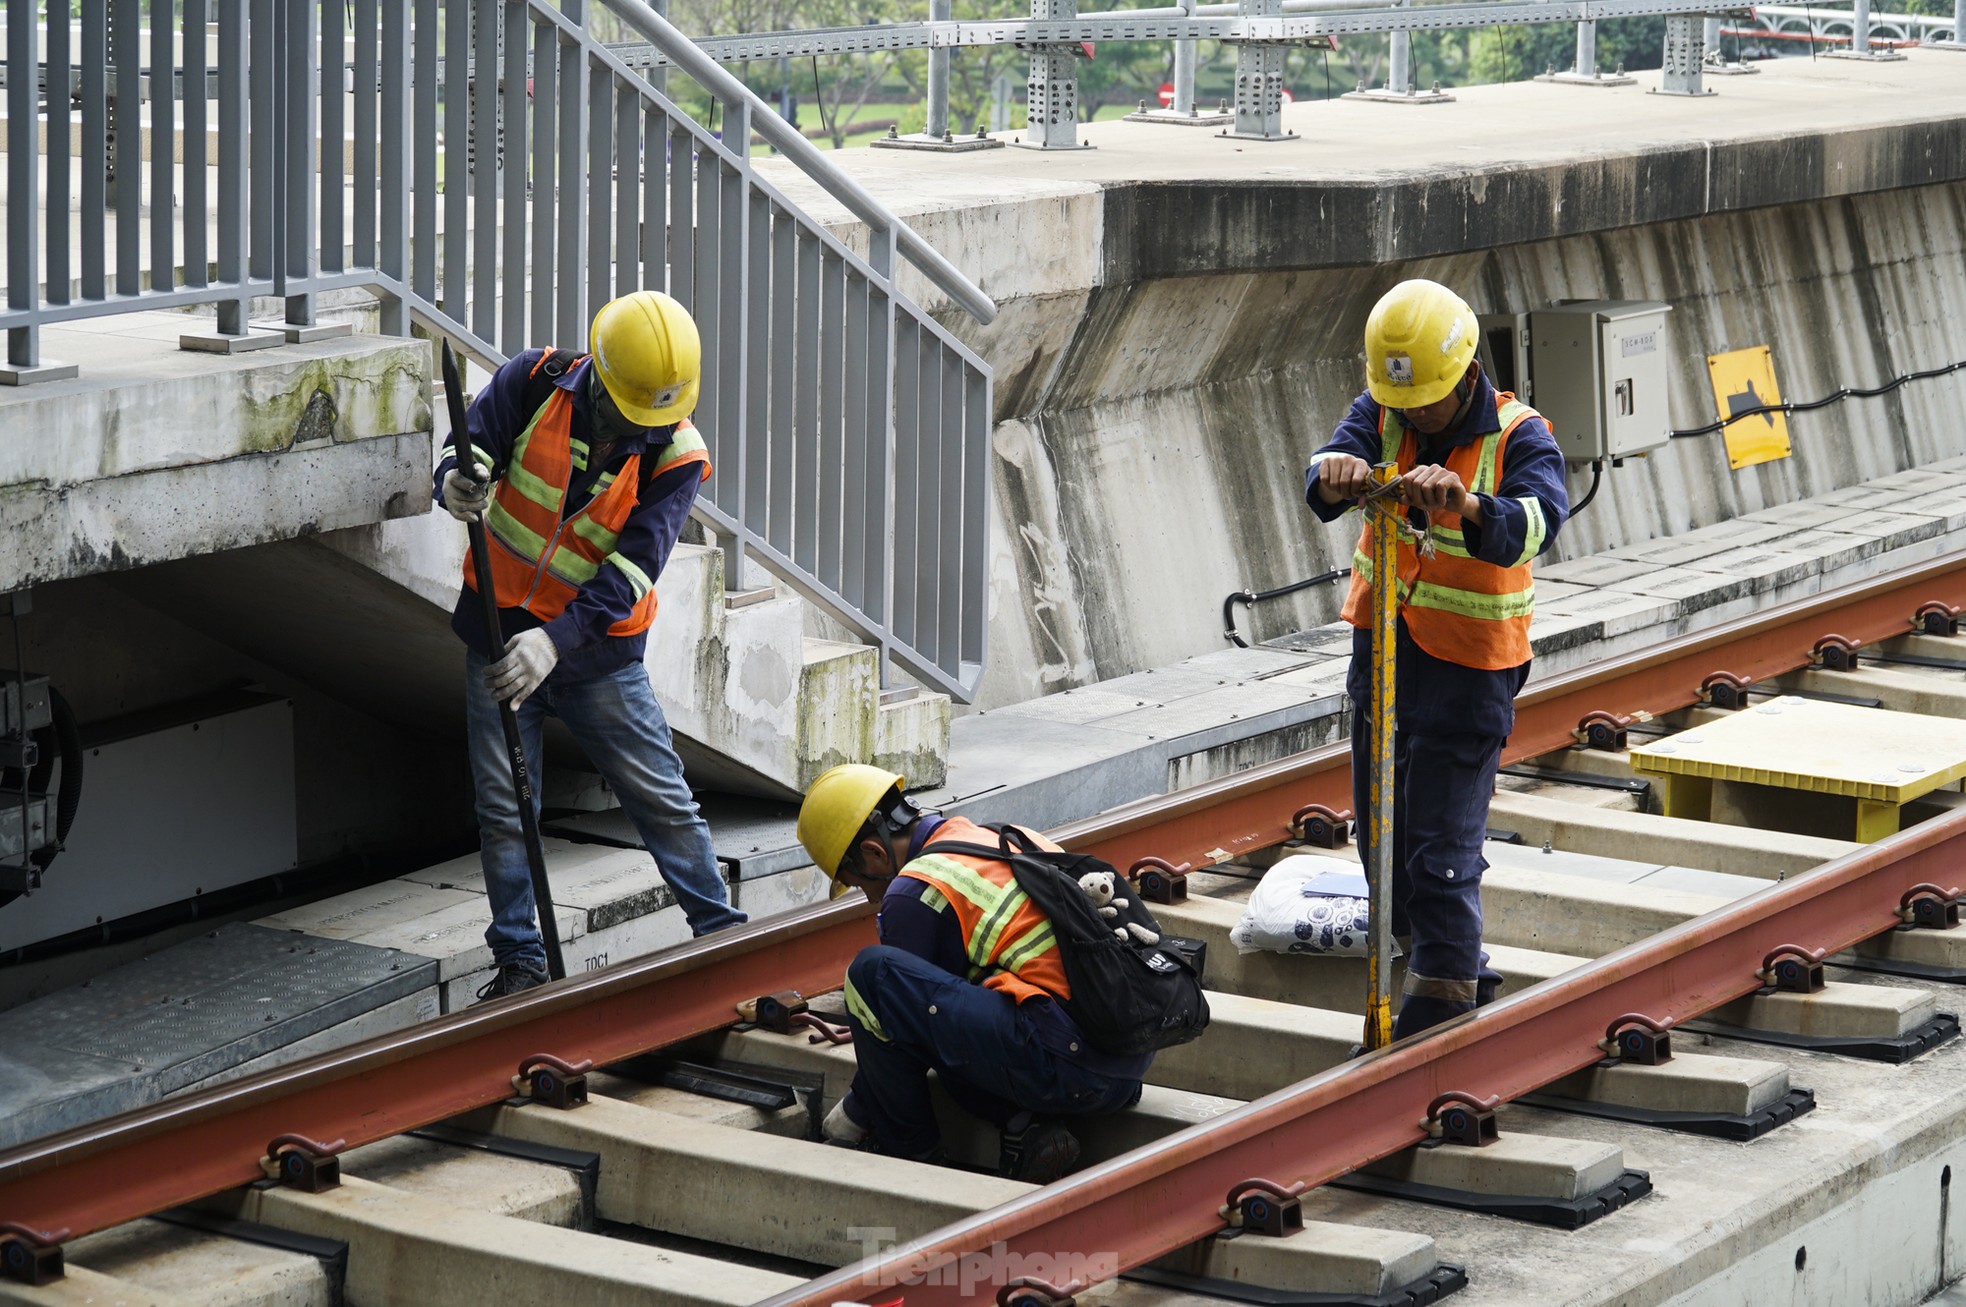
(1229, 631)
(819, 98)
(1502, 39)
(1597, 475)
(1847, 392)
(1325, 55)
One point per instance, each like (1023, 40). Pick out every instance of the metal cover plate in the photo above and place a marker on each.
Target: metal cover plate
(181, 1015)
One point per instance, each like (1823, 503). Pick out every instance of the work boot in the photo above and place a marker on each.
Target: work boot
(512, 978)
(1036, 1152)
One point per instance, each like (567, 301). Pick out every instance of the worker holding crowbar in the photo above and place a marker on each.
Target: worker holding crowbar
(1468, 490)
(575, 473)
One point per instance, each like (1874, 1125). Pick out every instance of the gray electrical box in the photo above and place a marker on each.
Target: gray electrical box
(1601, 372)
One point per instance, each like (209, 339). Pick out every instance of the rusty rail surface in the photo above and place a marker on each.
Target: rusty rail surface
(1150, 1201)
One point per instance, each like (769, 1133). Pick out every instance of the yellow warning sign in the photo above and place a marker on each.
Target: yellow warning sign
(1744, 379)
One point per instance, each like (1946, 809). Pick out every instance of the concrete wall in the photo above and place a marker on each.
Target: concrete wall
(1153, 433)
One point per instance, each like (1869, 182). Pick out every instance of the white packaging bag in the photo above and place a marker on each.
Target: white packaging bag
(1307, 904)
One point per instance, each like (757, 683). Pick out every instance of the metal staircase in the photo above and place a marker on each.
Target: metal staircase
(490, 171)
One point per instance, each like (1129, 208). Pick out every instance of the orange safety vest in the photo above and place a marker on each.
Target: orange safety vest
(538, 561)
(1458, 608)
(1009, 942)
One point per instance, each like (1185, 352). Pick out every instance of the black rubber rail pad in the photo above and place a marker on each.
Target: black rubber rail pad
(1714, 1125)
(1894, 1049)
(1564, 1213)
(1446, 1278)
(333, 1253)
(1892, 967)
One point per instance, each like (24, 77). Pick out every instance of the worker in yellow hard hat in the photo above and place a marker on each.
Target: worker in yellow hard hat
(587, 468)
(1482, 479)
(966, 981)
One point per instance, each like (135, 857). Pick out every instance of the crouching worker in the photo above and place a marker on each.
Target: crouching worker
(967, 981)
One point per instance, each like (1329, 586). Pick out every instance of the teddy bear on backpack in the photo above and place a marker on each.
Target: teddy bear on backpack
(1100, 887)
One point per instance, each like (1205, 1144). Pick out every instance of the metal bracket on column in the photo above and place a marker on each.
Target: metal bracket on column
(1585, 72)
(1686, 56)
(1388, 95)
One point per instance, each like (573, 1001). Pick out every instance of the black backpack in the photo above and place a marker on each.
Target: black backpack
(1127, 997)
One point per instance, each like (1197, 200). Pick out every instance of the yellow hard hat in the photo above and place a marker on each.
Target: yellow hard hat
(1418, 343)
(837, 807)
(649, 356)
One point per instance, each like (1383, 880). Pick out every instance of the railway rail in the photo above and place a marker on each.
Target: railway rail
(1155, 1199)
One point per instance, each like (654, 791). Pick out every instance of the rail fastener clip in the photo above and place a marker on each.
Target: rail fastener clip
(1460, 1118)
(31, 1256)
(552, 1081)
(1929, 907)
(1603, 730)
(1028, 1291)
(302, 1163)
(1836, 653)
(1725, 690)
(1638, 1039)
(1793, 969)
(1325, 828)
(1936, 617)
(1160, 881)
(1258, 1206)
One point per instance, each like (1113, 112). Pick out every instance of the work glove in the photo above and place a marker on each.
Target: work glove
(839, 1128)
(529, 659)
(465, 496)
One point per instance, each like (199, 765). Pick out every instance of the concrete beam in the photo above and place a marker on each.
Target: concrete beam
(471, 1180)
(1835, 1011)
(1900, 690)
(212, 1270)
(1688, 1082)
(1665, 840)
(1515, 1165)
(85, 1288)
(788, 1198)
(406, 1250)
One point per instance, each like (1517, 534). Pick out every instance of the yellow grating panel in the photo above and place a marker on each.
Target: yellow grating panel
(1827, 748)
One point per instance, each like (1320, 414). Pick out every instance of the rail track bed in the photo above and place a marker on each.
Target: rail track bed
(1723, 1069)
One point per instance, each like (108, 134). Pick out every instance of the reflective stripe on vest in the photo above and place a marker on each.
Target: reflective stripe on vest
(539, 561)
(1457, 607)
(1006, 938)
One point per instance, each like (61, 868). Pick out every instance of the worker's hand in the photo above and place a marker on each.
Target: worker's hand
(1341, 477)
(465, 496)
(1436, 489)
(529, 658)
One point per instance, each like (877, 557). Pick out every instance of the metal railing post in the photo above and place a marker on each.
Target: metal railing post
(1958, 41)
(1584, 71)
(393, 222)
(1860, 46)
(23, 362)
(1715, 62)
(300, 57)
(939, 11)
(1399, 86)
(1259, 81)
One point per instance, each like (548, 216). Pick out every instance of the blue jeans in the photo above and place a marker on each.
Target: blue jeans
(910, 1016)
(1441, 787)
(620, 726)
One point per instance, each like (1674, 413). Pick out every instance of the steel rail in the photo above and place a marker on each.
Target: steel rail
(1251, 810)
(1166, 1195)
(176, 1151)
(173, 1152)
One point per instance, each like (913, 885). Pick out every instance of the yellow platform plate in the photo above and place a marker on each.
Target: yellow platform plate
(1828, 748)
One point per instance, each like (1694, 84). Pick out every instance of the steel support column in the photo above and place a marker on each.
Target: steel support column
(1685, 56)
(1051, 101)
(1958, 41)
(1860, 46)
(1259, 81)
